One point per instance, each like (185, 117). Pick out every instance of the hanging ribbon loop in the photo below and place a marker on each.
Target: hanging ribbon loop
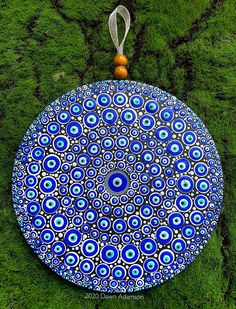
(113, 27)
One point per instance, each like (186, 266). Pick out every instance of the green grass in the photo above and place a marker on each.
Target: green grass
(187, 48)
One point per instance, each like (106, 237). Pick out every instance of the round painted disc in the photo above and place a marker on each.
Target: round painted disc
(117, 186)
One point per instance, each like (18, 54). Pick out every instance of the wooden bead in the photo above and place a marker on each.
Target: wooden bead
(120, 60)
(120, 72)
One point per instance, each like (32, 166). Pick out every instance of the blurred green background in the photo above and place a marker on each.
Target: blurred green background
(187, 48)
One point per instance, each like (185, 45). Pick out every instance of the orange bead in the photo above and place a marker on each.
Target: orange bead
(120, 60)
(120, 72)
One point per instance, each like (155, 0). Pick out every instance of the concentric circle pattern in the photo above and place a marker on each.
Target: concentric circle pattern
(117, 186)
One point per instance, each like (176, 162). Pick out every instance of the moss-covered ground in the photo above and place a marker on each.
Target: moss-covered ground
(185, 47)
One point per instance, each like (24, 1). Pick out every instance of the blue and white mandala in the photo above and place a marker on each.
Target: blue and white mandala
(117, 186)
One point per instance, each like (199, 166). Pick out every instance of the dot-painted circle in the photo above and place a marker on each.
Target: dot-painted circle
(117, 182)
(117, 186)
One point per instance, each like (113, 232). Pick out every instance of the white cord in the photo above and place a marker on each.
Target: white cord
(113, 27)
